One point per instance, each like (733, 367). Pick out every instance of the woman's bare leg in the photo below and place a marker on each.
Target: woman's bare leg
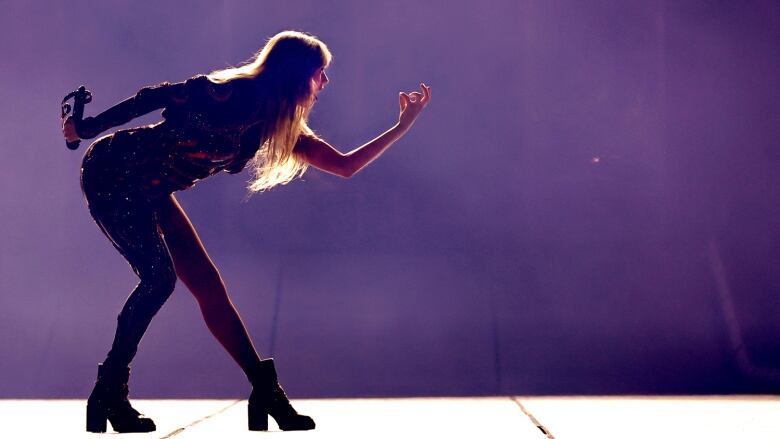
(195, 268)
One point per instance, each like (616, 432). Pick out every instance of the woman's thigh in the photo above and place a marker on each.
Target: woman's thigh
(130, 222)
(193, 264)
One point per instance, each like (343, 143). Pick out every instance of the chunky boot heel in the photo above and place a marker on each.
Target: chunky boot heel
(108, 402)
(268, 399)
(258, 418)
(96, 419)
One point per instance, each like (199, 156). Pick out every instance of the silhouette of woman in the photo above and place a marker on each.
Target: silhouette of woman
(252, 114)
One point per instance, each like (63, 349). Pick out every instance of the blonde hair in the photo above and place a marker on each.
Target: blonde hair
(283, 70)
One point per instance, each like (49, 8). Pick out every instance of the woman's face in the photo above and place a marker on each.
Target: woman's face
(319, 80)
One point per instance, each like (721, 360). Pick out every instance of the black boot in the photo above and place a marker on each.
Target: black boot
(108, 401)
(268, 398)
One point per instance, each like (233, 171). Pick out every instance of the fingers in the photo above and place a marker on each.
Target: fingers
(69, 130)
(414, 101)
(426, 92)
(419, 97)
(403, 100)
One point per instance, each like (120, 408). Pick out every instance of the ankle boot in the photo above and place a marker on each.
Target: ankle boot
(108, 401)
(268, 398)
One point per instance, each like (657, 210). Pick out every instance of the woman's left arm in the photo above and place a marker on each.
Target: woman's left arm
(323, 156)
(144, 101)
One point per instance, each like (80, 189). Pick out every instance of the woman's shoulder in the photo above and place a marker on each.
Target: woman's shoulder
(198, 85)
(227, 104)
(239, 91)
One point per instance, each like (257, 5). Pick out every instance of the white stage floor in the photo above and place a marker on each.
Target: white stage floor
(519, 417)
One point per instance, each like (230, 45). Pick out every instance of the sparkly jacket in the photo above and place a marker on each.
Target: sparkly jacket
(207, 128)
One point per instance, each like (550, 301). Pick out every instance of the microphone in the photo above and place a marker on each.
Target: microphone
(81, 97)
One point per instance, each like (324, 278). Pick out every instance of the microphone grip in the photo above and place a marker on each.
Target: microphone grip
(81, 97)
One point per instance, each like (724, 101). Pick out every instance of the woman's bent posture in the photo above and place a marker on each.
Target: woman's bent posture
(253, 114)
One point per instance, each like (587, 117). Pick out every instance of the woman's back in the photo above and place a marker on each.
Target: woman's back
(207, 128)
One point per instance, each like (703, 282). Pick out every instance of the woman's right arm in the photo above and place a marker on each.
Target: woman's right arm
(325, 157)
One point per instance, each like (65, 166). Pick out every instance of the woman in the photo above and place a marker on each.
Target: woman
(253, 114)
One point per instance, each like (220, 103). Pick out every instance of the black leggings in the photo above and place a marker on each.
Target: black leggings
(128, 217)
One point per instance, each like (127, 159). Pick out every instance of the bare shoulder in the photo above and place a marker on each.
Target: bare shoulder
(308, 144)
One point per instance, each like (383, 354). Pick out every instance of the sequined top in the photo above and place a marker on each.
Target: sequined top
(207, 128)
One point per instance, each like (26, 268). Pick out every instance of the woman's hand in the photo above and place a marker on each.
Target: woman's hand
(69, 130)
(412, 104)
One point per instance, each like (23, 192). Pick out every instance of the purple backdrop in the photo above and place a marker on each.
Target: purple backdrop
(587, 206)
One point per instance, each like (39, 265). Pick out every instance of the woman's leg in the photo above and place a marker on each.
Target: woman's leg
(195, 268)
(130, 222)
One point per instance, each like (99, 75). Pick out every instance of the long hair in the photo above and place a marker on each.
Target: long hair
(283, 69)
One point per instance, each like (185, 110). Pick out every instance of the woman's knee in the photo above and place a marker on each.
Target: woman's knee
(162, 282)
(167, 279)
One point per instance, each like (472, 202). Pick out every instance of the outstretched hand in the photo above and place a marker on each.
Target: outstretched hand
(412, 105)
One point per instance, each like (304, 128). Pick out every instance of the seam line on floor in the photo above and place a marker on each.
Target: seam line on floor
(198, 421)
(545, 431)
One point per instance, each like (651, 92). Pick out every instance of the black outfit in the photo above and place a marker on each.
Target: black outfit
(208, 128)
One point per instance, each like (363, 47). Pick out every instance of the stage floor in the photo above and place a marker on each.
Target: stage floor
(491, 417)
